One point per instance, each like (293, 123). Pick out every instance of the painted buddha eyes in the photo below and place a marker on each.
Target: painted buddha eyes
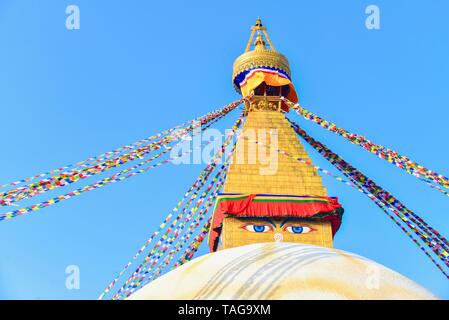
(298, 229)
(259, 228)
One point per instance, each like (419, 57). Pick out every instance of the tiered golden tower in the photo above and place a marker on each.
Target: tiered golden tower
(269, 194)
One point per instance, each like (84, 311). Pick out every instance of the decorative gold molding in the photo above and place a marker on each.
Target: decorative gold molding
(263, 103)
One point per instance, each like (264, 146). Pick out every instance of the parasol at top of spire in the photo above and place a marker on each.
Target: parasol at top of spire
(261, 64)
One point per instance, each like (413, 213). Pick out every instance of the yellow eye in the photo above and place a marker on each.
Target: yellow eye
(298, 229)
(259, 228)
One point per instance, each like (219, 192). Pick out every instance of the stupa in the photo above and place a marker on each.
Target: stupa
(273, 226)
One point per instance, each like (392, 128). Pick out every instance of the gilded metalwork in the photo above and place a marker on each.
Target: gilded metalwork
(263, 103)
(261, 56)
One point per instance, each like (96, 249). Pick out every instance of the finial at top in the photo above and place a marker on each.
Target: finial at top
(260, 55)
(258, 25)
(260, 42)
(261, 32)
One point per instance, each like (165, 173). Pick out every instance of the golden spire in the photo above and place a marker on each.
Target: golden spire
(261, 56)
(259, 29)
(259, 44)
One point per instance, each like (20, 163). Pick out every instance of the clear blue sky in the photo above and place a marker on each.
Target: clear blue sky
(138, 67)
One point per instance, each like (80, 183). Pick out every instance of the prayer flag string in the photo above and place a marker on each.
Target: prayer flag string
(384, 207)
(163, 240)
(142, 277)
(436, 242)
(109, 154)
(400, 161)
(120, 176)
(196, 185)
(66, 178)
(162, 247)
(194, 245)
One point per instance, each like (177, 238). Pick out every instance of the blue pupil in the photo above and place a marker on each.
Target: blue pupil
(259, 228)
(297, 229)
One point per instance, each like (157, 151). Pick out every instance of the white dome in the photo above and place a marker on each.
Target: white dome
(282, 271)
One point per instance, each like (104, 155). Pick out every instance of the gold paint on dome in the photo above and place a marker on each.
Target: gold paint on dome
(261, 56)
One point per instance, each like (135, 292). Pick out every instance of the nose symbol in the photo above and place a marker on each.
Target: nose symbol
(278, 237)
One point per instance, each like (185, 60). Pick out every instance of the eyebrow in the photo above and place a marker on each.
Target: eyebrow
(285, 221)
(270, 221)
